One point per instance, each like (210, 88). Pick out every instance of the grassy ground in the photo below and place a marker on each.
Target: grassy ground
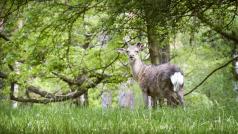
(66, 119)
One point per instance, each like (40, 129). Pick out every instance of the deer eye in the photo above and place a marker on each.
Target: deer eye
(137, 51)
(127, 51)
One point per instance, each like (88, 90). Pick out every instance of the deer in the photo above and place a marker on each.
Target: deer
(163, 81)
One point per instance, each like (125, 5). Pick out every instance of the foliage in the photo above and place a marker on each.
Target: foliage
(62, 40)
(81, 37)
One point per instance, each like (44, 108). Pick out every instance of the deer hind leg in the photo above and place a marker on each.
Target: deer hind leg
(180, 95)
(171, 99)
(161, 101)
(154, 101)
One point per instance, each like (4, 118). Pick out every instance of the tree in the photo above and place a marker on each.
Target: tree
(150, 15)
(59, 39)
(51, 48)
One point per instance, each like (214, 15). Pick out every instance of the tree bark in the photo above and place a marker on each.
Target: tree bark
(157, 40)
(48, 100)
(47, 97)
(86, 103)
(159, 48)
(153, 45)
(15, 86)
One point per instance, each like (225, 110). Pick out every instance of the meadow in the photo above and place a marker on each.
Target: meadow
(63, 118)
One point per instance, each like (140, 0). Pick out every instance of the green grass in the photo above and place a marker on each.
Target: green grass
(65, 119)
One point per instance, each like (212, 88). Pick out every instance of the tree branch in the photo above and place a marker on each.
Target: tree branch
(229, 36)
(36, 90)
(210, 74)
(3, 75)
(4, 37)
(78, 81)
(69, 96)
(50, 97)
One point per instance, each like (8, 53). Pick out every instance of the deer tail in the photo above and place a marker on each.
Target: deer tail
(177, 80)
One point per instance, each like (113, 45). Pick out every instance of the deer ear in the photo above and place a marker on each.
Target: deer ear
(121, 50)
(140, 46)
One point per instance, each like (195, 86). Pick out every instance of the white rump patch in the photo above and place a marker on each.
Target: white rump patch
(177, 80)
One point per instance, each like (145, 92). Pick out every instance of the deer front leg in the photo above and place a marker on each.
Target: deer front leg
(145, 96)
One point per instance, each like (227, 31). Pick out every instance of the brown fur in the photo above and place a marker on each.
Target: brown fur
(154, 80)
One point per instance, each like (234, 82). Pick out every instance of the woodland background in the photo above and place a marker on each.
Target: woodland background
(54, 51)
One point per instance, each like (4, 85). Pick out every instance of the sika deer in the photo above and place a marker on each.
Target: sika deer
(163, 81)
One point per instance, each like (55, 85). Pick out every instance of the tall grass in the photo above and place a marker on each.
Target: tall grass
(40, 119)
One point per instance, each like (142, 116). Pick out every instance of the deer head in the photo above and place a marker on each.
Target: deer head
(132, 51)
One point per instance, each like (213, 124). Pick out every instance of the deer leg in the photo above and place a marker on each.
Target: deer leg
(171, 99)
(154, 101)
(161, 101)
(146, 101)
(180, 97)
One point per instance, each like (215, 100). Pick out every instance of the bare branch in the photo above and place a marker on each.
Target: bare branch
(78, 81)
(69, 96)
(50, 97)
(4, 37)
(210, 74)
(36, 90)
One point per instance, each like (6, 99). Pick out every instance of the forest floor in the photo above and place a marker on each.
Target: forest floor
(62, 118)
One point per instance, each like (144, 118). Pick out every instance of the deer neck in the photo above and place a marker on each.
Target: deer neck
(136, 68)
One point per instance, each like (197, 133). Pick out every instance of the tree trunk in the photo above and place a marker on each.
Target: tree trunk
(159, 48)
(15, 92)
(82, 100)
(16, 86)
(86, 102)
(157, 40)
(235, 72)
